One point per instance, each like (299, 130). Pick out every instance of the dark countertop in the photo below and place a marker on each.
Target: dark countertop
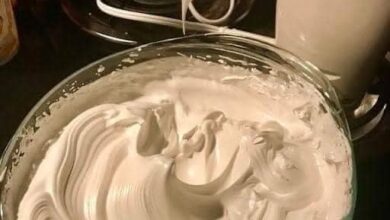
(52, 47)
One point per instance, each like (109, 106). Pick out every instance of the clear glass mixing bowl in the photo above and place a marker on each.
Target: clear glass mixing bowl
(28, 146)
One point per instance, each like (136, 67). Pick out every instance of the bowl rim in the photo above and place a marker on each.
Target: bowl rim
(169, 42)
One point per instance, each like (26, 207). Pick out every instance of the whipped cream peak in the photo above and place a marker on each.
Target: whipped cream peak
(197, 147)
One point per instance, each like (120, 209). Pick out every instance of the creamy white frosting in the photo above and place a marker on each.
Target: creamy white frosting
(206, 143)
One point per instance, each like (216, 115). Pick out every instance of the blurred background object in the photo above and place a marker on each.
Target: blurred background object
(345, 38)
(8, 33)
(348, 40)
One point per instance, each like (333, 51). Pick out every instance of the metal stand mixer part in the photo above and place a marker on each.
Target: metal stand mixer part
(363, 119)
(157, 2)
(91, 19)
(367, 115)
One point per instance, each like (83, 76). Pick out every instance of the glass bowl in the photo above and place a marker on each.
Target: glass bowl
(29, 144)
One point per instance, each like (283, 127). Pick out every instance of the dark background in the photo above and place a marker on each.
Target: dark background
(52, 47)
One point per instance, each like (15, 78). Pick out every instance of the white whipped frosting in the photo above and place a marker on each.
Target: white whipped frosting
(206, 143)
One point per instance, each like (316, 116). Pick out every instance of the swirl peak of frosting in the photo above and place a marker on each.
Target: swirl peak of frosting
(195, 148)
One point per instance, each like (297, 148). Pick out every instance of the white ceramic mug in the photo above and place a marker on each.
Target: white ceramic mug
(343, 37)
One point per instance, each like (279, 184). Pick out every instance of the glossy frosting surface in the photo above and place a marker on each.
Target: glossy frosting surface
(206, 143)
